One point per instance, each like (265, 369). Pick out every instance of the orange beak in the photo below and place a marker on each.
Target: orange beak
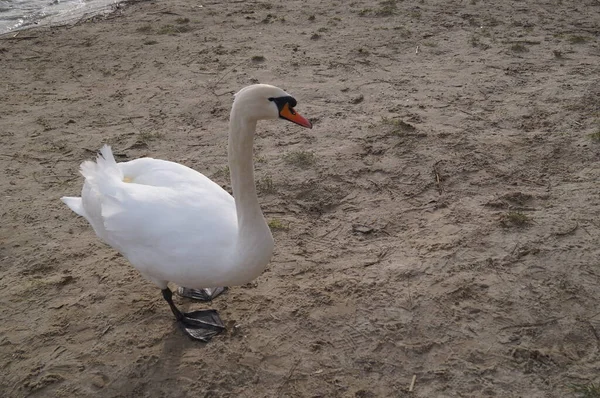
(293, 116)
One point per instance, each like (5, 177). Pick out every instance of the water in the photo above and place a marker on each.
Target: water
(19, 14)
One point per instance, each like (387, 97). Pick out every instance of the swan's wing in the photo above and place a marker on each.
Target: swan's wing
(157, 213)
(157, 227)
(167, 205)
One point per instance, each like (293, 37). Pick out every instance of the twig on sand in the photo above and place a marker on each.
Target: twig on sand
(164, 11)
(530, 42)
(412, 383)
(470, 114)
(408, 209)
(438, 179)
(213, 86)
(593, 316)
(105, 330)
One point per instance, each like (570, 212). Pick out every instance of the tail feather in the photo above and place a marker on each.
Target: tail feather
(104, 175)
(75, 204)
(102, 191)
(105, 164)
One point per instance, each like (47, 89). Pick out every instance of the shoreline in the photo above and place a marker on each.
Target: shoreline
(68, 17)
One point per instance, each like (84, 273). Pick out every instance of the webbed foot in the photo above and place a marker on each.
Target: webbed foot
(202, 325)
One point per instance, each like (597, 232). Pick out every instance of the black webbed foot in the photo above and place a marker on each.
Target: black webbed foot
(200, 325)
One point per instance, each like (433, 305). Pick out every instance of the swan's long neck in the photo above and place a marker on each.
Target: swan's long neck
(254, 244)
(241, 167)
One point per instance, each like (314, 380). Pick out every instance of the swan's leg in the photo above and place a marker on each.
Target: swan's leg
(199, 325)
(201, 294)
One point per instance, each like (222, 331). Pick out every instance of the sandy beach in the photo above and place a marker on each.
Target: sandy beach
(436, 232)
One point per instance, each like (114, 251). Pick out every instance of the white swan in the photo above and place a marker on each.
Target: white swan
(174, 224)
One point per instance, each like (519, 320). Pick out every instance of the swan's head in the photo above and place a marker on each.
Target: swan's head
(263, 101)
